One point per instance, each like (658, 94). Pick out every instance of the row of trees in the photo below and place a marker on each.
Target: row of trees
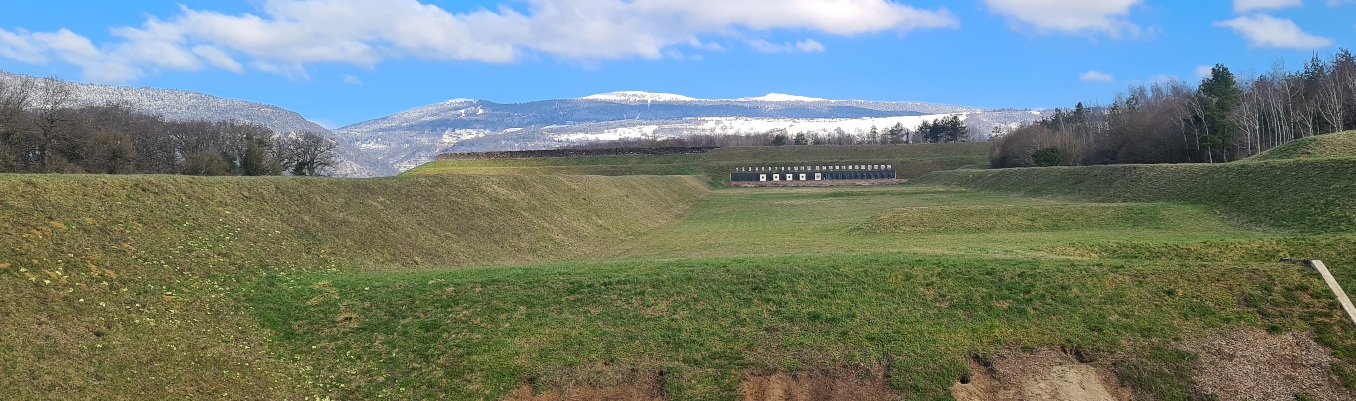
(946, 129)
(1223, 118)
(42, 130)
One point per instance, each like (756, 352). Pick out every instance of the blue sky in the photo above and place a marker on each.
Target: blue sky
(344, 61)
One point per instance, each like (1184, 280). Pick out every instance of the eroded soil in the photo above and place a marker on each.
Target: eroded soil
(815, 386)
(1045, 375)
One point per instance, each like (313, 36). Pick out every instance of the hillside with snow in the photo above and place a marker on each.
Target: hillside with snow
(413, 137)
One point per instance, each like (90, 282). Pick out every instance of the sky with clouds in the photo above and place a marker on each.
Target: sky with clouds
(344, 61)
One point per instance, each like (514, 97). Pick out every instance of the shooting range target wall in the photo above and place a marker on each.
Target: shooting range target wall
(813, 173)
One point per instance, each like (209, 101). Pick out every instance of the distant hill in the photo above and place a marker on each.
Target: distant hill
(184, 106)
(410, 138)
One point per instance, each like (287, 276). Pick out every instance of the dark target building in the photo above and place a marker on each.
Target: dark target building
(813, 173)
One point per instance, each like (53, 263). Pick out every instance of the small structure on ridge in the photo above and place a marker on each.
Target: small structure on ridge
(855, 172)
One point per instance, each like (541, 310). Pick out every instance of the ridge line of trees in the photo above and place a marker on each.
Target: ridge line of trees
(1221, 119)
(43, 130)
(941, 130)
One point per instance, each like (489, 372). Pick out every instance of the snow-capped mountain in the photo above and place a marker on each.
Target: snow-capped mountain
(407, 139)
(388, 145)
(192, 106)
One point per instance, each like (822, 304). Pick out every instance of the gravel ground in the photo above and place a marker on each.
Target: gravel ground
(1254, 365)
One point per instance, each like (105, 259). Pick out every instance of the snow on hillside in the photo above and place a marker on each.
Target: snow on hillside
(637, 96)
(640, 96)
(781, 97)
(859, 126)
(612, 134)
(409, 138)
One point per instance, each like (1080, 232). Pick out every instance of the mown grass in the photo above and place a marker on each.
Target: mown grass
(1029, 218)
(779, 221)
(476, 334)
(1305, 195)
(1340, 144)
(129, 287)
(794, 279)
(595, 165)
(910, 161)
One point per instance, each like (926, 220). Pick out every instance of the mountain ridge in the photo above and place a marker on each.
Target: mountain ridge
(417, 135)
(388, 145)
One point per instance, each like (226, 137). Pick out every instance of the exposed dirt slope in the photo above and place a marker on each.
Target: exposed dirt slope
(1045, 375)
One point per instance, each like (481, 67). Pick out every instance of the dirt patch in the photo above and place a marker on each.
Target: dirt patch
(1043, 375)
(1254, 365)
(816, 386)
(621, 386)
(617, 393)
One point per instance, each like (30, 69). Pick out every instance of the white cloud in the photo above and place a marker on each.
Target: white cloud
(285, 36)
(1069, 16)
(20, 46)
(352, 80)
(764, 46)
(810, 46)
(218, 58)
(1096, 76)
(1263, 30)
(1243, 6)
(1203, 71)
(804, 46)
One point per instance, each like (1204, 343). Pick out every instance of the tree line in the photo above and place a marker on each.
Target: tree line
(43, 130)
(1223, 118)
(945, 129)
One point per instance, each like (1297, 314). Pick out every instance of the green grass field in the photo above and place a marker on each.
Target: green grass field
(788, 280)
(466, 287)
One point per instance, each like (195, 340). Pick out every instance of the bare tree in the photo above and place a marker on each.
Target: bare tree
(1329, 102)
(15, 96)
(55, 97)
(306, 153)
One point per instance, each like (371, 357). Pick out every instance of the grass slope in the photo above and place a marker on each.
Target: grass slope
(814, 279)
(698, 323)
(1341, 144)
(595, 165)
(909, 161)
(129, 287)
(283, 288)
(1309, 195)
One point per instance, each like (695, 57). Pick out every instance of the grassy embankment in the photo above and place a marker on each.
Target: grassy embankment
(909, 160)
(1340, 144)
(906, 282)
(1298, 195)
(131, 287)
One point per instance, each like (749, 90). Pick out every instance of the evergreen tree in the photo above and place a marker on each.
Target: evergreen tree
(1218, 95)
(928, 132)
(953, 130)
(896, 134)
